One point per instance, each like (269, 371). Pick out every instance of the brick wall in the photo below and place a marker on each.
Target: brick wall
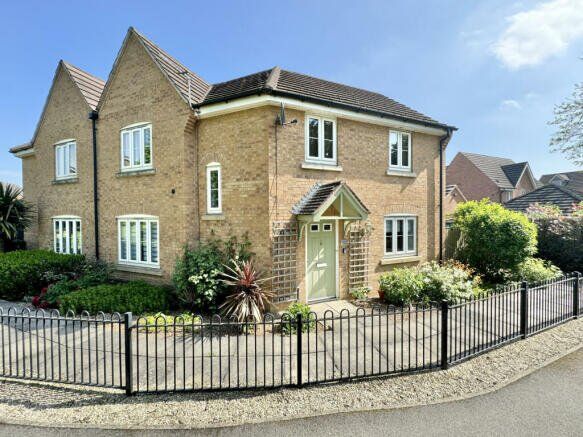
(65, 117)
(472, 182)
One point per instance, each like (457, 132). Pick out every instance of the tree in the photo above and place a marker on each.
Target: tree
(493, 239)
(15, 213)
(568, 139)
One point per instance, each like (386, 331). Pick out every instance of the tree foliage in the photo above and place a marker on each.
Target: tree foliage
(568, 139)
(494, 240)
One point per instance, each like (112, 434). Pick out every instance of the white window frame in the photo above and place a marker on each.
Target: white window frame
(141, 127)
(63, 149)
(214, 166)
(320, 159)
(138, 219)
(400, 166)
(392, 219)
(65, 245)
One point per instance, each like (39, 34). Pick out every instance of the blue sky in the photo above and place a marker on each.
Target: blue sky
(495, 68)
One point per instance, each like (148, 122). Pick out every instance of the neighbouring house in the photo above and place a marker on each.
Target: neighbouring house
(565, 198)
(572, 180)
(332, 184)
(498, 179)
(453, 197)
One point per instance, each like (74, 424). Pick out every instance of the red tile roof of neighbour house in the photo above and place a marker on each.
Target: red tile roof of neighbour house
(287, 83)
(547, 195)
(572, 180)
(504, 172)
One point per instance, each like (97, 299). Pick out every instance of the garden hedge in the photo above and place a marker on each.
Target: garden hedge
(137, 297)
(23, 272)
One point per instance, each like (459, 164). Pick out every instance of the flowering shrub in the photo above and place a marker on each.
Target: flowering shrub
(428, 282)
(536, 269)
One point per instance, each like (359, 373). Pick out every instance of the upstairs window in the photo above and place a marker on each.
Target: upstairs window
(138, 240)
(400, 236)
(136, 147)
(399, 151)
(67, 235)
(213, 188)
(320, 140)
(66, 160)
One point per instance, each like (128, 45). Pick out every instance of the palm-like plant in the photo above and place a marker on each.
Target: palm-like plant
(248, 299)
(15, 213)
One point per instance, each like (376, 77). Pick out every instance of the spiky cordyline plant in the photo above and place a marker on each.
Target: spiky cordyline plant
(248, 299)
(15, 213)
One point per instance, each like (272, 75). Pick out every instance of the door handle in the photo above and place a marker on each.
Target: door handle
(321, 265)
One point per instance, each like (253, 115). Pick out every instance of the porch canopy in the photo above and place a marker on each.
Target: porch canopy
(330, 201)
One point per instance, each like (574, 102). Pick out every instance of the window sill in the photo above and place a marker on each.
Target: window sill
(399, 260)
(402, 173)
(140, 172)
(211, 217)
(132, 268)
(72, 180)
(326, 167)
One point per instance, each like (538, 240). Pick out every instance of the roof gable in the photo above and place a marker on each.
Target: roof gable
(572, 180)
(322, 196)
(492, 167)
(90, 88)
(181, 78)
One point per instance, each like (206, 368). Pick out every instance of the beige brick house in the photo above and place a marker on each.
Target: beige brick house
(332, 184)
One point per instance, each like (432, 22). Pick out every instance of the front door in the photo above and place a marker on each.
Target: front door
(321, 261)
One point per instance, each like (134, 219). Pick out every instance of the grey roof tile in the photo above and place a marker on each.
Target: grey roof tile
(90, 86)
(318, 195)
(548, 194)
(491, 166)
(287, 83)
(572, 180)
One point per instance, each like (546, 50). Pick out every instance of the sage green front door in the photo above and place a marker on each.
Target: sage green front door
(321, 261)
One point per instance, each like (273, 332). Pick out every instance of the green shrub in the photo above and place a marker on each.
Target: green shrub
(493, 240)
(24, 273)
(185, 322)
(137, 297)
(561, 241)
(359, 293)
(428, 282)
(293, 310)
(401, 286)
(198, 271)
(536, 269)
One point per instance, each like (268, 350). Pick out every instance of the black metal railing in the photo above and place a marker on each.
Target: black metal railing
(174, 354)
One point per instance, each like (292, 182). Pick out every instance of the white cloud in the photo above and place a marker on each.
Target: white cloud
(535, 35)
(510, 104)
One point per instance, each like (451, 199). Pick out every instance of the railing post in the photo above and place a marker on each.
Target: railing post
(444, 334)
(127, 322)
(576, 295)
(524, 309)
(299, 328)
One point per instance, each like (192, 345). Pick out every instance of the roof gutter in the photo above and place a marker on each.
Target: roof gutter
(442, 144)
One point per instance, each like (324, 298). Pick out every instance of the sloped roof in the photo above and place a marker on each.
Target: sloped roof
(319, 194)
(548, 194)
(514, 171)
(287, 83)
(503, 172)
(90, 86)
(573, 179)
(176, 72)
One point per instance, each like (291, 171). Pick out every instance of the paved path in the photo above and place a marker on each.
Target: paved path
(548, 402)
